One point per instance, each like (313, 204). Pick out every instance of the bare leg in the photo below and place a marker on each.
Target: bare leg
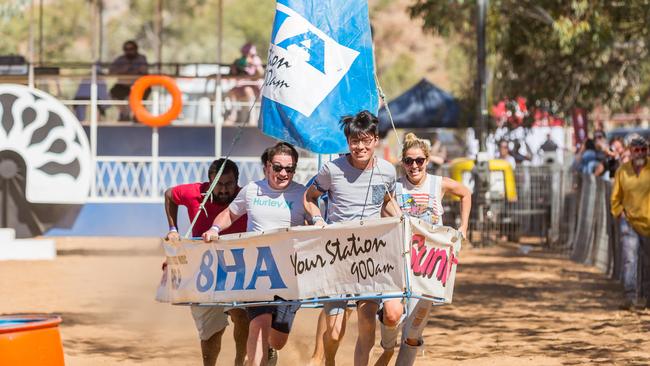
(240, 334)
(258, 340)
(319, 348)
(333, 336)
(366, 311)
(210, 349)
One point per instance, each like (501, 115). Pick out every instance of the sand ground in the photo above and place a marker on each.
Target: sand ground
(509, 309)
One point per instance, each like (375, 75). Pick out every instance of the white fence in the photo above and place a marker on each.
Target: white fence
(133, 180)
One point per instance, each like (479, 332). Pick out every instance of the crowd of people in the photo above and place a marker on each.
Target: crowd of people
(600, 156)
(358, 186)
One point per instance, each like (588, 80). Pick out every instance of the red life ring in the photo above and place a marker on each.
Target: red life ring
(141, 113)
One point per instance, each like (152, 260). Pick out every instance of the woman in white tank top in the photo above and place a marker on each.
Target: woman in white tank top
(420, 195)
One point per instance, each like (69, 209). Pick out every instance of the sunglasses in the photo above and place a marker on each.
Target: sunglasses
(637, 150)
(278, 168)
(418, 161)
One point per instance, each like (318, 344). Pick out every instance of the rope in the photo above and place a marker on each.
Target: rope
(390, 115)
(208, 193)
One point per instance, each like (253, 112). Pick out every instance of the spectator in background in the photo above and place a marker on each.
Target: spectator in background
(249, 63)
(130, 63)
(631, 205)
(586, 158)
(437, 155)
(504, 153)
(518, 156)
(548, 150)
(602, 154)
(615, 153)
(247, 89)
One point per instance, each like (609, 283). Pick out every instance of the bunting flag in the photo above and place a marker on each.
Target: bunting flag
(320, 68)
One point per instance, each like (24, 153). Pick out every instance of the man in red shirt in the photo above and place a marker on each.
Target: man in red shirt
(211, 321)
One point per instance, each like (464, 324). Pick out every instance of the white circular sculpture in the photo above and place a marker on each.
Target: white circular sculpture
(50, 140)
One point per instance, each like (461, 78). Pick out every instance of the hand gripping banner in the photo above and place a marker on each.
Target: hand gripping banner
(357, 259)
(320, 68)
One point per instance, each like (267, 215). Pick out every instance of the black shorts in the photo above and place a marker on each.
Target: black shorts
(282, 315)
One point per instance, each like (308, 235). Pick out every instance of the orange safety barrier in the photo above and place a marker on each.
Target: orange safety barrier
(30, 340)
(141, 113)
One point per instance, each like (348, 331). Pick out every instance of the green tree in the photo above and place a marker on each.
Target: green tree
(574, 52)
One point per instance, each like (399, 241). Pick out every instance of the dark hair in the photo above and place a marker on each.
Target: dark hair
(230, 167)
(364, 123)
(280, 148)
(130, 42)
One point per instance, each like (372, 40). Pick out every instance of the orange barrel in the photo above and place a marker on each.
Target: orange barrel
(30, 340)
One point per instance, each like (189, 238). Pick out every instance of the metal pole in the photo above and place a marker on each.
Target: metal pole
(218, 102)
(30, 75)
(100, 41)
(481, 171)
(156, 102)
(93, 100)
(482, 78)
(158, 30)
(154, 146)
(40, 32)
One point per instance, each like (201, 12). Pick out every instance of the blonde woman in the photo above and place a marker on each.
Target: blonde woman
(420, 195)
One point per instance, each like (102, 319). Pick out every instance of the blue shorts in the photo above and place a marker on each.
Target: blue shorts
(282, 315)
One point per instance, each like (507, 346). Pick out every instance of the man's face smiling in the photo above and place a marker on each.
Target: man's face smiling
(362, 147)
(279, 171)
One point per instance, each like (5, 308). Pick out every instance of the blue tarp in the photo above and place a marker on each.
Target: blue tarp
(423, 106)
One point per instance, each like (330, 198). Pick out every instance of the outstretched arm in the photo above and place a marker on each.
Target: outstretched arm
(171, 210)
(223, 221)
(458, 189)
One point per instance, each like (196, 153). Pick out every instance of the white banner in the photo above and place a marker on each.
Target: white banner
(352, 258)
(433, 260)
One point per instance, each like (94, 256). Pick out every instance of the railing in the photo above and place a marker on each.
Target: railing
(132, 180)
(72, 84)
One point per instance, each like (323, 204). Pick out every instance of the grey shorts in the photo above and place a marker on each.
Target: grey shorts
(209, 320)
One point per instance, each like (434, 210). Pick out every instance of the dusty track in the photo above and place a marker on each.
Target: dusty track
(509, 309)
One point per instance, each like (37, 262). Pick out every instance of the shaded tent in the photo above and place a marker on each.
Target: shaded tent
(423, 106)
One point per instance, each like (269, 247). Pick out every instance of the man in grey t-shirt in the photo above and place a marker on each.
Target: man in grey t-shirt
(355, 194)
(359, 186)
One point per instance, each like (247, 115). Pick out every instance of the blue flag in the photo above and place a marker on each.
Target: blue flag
(320, 68)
